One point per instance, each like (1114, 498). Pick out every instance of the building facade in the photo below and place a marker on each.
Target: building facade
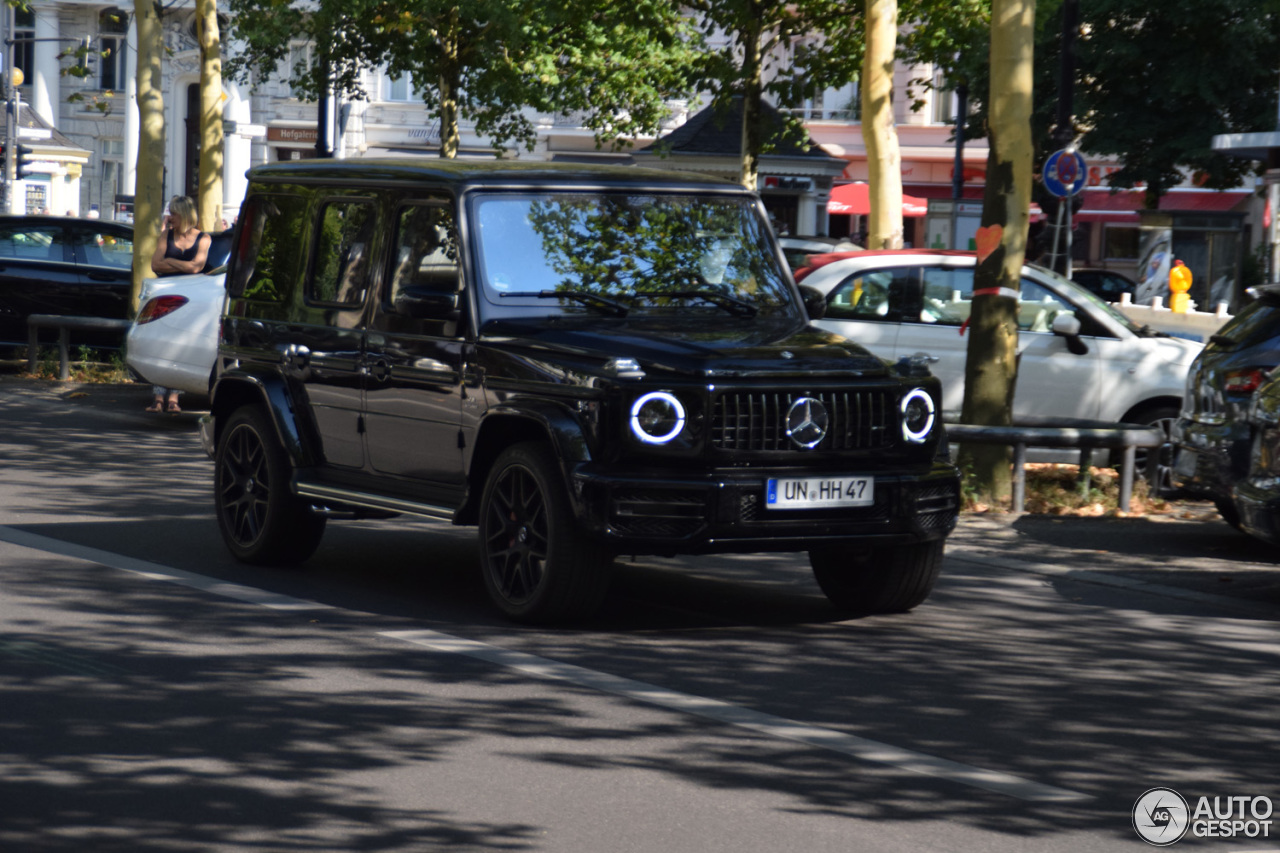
(84, 131)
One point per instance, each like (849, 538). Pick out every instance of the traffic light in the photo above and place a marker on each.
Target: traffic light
(22, 162)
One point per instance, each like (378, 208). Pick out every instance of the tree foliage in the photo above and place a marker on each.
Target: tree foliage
(486, 60)
(789, 50)
(1154, 82)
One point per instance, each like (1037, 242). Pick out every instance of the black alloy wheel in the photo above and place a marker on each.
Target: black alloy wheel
(261, 521)
(536, 565)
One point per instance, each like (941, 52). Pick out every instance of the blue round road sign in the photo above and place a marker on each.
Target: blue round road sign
(1065, 173)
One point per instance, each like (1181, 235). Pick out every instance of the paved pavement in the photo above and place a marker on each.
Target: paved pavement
(1187, 553)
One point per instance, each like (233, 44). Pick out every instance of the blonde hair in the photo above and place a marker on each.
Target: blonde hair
(184, 208)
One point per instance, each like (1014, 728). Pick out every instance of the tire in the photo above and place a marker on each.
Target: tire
(1163, 417)
(1227, 510)
(261, 521)
(537, 566)
(878, 580)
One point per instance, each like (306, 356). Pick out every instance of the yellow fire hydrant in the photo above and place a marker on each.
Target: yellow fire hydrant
(1179, 284)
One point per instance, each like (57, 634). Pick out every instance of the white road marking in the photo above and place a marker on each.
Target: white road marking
(538, 667)
(156, 571)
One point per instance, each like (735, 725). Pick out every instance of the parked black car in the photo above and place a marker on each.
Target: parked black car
(1213, 436)
(63, 265)
(582, 362)
(1257, 494)
(1105, 284)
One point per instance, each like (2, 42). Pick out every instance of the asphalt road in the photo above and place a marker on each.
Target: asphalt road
(158, 696)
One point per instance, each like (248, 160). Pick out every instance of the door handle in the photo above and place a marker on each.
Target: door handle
(380, 370)
(296, 356)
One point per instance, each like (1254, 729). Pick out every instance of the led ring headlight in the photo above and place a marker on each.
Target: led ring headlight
(917, 416)
(657, 417)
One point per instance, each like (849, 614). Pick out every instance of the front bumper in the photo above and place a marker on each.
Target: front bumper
(724, 511)
(1258, 506)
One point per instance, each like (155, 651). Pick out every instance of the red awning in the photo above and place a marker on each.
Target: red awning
(1123, 205)
(853, 198)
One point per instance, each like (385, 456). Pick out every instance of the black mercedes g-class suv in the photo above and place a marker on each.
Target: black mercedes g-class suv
(583, 362)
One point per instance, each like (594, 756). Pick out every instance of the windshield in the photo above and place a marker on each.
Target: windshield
(626, 255)
(1078, 294)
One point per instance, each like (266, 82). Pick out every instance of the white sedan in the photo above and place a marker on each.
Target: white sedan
(174, 340)
(1077, 356)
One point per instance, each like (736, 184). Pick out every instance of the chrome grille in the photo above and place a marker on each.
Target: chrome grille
(757, 420)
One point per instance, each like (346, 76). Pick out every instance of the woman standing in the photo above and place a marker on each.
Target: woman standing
(181, 251)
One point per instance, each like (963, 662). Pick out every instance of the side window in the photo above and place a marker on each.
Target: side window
(268, 247)
(99, 249)
(873, 295)
(948, 296)
(1037, 306)
(343, 244)
(32, 242)
(425, 251)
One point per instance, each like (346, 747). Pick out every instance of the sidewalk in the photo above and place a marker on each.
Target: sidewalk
(1190, 548)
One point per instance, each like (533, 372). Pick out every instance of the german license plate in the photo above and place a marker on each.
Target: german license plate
(818, 492)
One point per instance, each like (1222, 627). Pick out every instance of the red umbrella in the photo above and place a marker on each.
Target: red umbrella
(852, 198)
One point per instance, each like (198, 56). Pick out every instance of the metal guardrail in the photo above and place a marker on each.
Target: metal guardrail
(1086, 435)
(64, 323)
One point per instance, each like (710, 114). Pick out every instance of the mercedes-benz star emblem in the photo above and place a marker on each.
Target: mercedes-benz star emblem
(807, 422)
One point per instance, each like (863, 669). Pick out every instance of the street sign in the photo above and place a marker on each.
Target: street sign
(1065, 173)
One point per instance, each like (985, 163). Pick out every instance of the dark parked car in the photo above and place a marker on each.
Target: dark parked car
(1257, 494)
(1106, 284)
(583, 362)
(1213, 435)
(63, 265)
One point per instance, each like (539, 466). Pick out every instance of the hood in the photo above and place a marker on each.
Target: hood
(737, 348)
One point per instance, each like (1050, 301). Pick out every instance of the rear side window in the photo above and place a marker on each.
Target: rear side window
(268, 249)
(100, 249)
(948, 296)
(344, 244)
(33, 243)
(1257, 323)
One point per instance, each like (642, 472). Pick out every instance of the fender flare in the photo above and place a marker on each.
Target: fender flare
(522, 419)
(240, 387)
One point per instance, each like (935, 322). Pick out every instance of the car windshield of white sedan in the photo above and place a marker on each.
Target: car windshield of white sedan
(624, 255)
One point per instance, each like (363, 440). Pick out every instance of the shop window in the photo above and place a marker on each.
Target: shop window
(1120, 243)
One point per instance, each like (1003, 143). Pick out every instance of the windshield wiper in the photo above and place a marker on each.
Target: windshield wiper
(591, 300)
(732, 304)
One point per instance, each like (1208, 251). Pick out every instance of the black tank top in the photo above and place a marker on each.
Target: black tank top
(172, 251)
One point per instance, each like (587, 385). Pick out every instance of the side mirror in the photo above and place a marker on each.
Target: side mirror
(421, 303)
(814, 301)
(1067, 325)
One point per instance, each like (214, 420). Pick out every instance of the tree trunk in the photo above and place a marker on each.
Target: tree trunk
(148, 192)
(752, 92)
(991, 369)
(450, 84)
(211, 152)
(884, 157)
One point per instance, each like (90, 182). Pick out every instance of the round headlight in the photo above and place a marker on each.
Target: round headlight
(917, 416)
(657, 417)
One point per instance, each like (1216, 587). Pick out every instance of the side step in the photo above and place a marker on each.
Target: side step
(334, 494)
